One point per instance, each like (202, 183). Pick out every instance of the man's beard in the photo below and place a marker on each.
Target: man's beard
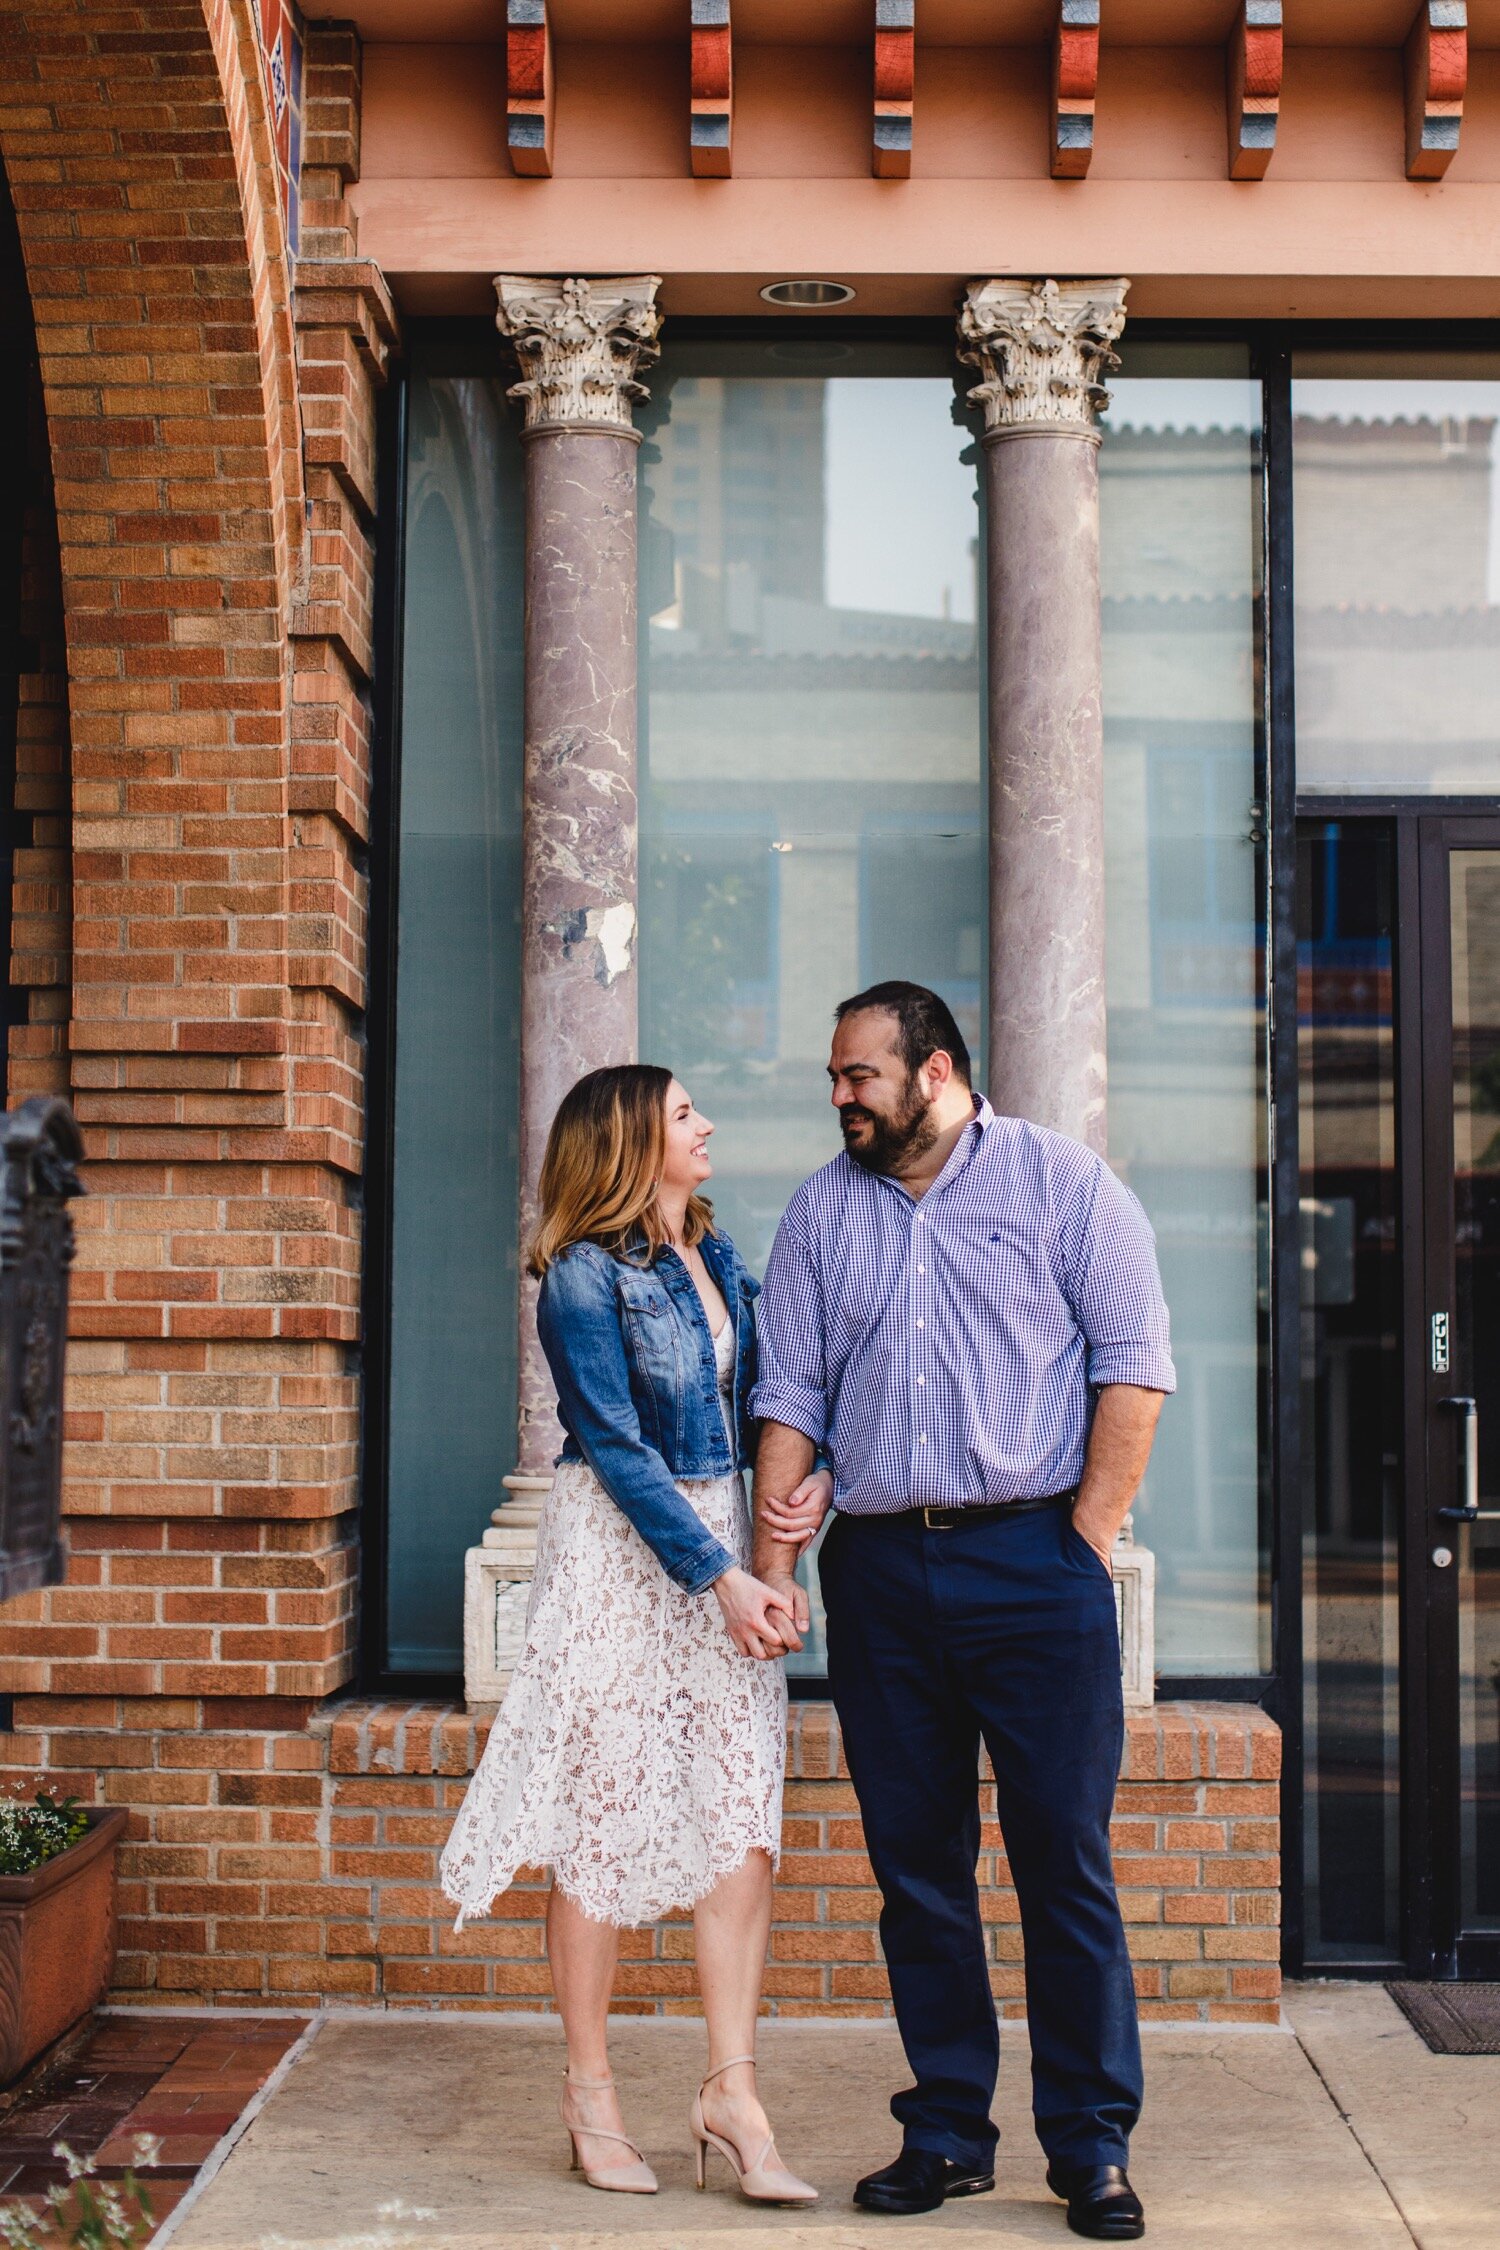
(895, 1141)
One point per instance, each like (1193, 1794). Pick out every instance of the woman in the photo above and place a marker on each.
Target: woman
(639, 1753)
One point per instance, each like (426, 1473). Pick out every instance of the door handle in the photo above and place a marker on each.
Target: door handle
(1470, 1512)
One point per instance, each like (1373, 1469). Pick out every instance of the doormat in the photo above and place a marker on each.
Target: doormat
(1454, 2019)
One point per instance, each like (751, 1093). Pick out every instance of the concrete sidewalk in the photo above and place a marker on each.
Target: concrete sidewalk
(1338, 2132)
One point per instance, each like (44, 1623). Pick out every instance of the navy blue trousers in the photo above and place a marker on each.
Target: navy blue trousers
(1003, 1630)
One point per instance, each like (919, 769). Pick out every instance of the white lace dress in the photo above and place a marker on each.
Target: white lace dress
(637, 1753)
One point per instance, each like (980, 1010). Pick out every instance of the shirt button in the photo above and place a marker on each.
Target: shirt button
(921, 1269)
(921, 1378)
(921, 1324)
(922, 1440)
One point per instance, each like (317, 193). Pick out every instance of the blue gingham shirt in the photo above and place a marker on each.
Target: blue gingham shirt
(946, 1352)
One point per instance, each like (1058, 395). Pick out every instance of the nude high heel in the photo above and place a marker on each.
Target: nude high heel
(767, 2180)
(620, 2179)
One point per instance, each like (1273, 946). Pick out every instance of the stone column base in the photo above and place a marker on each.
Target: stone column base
(1135, 1608)
(497, 1589)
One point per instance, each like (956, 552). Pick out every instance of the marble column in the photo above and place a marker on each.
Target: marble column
(1042, 348)
(580, 345)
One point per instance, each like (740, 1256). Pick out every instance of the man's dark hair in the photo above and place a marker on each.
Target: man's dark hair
(923, 1023)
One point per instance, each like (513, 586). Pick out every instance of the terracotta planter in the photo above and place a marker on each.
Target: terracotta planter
(57, 1942)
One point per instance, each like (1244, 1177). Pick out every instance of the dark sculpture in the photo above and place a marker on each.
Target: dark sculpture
(40, 1148)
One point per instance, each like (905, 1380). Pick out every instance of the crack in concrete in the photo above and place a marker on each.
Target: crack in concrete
(1217, 2054)
(1358, 2139)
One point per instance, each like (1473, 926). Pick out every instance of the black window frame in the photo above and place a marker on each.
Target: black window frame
(462, 347)
(472, 345)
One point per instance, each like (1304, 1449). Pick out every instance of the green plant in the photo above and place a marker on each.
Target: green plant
(86, 2214)
(31, 1834)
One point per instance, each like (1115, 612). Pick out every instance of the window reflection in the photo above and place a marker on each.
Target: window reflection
(1179, 490)
(811, 796)
(1396, 502)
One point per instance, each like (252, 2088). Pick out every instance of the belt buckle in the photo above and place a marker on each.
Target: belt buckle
(937, 1519)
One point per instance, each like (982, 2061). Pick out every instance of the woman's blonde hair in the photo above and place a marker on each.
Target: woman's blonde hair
(602, 1169)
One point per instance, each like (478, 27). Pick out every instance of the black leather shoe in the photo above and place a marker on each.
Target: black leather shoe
(919, 2181)
(1101, 2201)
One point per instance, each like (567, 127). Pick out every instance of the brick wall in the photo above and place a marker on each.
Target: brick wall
(301, 1867)
(201, 598)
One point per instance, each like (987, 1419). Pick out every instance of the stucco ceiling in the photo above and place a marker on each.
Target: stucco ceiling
(940, 23)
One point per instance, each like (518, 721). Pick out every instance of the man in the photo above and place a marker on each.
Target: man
(963, 1312)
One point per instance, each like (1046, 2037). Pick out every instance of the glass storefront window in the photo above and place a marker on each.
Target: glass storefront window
(1396, 511)
(452, 1426)
(811, 730)
(1179, 506)
(812, 817)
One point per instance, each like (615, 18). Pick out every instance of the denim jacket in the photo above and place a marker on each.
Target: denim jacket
(632, 1357)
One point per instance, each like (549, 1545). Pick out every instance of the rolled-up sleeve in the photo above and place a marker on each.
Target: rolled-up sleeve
(1114, 1287)
(793, 1383)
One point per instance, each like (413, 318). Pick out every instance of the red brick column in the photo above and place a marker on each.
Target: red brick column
(346, 327)
(209, 595)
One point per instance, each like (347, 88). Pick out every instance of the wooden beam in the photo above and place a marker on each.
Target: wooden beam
(895, 87)
(1253, 61)
(528, 87)
(1075, 82)
(1437, 75)
(711, 134)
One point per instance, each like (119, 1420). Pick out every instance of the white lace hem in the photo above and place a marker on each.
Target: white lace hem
(602, 1908)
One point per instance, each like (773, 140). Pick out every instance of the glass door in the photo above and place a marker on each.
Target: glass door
(1461, 949)
(1399, 1125)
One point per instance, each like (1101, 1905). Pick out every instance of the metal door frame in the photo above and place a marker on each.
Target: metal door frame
(1425, 831)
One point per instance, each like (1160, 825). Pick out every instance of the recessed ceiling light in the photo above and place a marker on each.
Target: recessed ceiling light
(807, 296)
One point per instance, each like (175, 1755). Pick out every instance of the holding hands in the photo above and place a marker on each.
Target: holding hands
(765, 1615)
(796, 1520)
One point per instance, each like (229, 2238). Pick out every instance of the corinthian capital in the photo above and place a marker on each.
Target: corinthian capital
(1042, 347)
(580, 344)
